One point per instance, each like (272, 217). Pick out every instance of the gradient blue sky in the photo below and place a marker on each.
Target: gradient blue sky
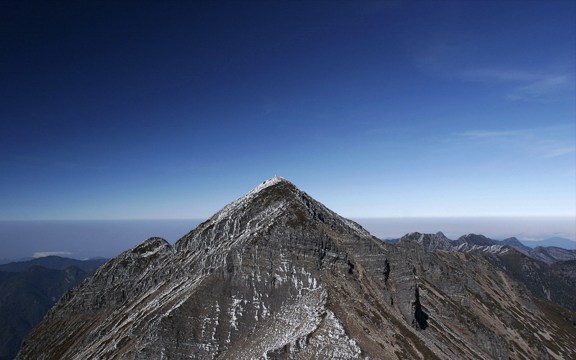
(150, 110)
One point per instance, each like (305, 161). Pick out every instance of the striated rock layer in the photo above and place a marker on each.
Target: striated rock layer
(276, 274)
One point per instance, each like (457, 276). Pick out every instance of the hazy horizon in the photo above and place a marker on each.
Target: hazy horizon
(83, 239)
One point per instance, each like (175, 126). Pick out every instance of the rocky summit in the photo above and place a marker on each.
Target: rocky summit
(277, 275)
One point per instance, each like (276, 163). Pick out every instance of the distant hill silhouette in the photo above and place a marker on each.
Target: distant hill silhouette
(553, 241)
(29, 289)
(53, 262)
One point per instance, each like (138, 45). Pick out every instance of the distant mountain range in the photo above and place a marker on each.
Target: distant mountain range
(528, 246)
(553, 241)
(28, 289)
(53, 262)
(548, 272)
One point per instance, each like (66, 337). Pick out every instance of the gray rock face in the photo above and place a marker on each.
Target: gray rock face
(430, 242)
(552, 254)
(276, 274)
(548, 273)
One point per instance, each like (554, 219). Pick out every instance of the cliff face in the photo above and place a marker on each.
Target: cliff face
(276, 274)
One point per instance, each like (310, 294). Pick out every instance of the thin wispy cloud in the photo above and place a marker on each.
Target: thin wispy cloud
(523, 85)
(499, 75)
(486, 134)
(541, 89)
(544, 143)
(41, 254)
(539, 84)
(552, 149)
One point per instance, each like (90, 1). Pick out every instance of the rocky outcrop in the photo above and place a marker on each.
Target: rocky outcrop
(515, 243)
(276, 274)
(475, 239)
(430, 242)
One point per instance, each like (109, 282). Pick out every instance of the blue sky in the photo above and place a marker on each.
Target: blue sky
(144, 110)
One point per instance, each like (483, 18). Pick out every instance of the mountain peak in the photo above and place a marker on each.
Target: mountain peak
(274, 200)
(244, 202)
(275, 181)
(276, 274)
(270, 182)
(476, 239)
(429, 241)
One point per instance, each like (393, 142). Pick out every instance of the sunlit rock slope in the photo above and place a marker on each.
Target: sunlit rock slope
(277, 275)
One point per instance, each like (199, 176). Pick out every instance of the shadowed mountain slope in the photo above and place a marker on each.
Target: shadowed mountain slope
(28, 289)
(25, 297)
